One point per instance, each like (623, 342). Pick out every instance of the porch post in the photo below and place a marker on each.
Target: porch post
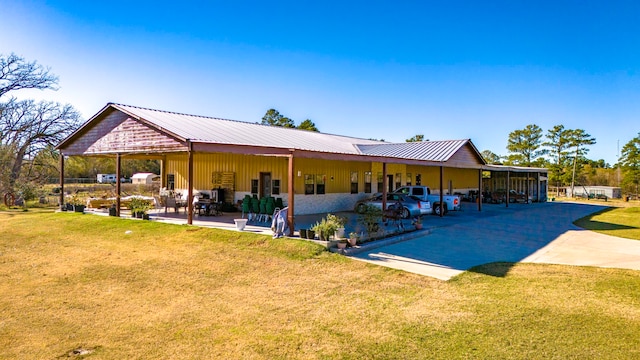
(190, 185)
(62, 204)
(441, 191)
(291, 195)
(508, 188)
(527, 189)
(385, 184)
(118, 176)
(479, 199)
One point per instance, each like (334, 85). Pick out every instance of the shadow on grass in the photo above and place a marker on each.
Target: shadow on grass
(588, 224)
(496, 269)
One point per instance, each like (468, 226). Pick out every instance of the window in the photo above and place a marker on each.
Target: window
(408, 179)
(380, 182)
(275, 187)
(254, 186)
(367, 182)
(398, 180)
(354, 182)
(418, 179)
(308, 184)
(171, 182)
(320, 182)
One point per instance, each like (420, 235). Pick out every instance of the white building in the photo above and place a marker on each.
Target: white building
(144, 178)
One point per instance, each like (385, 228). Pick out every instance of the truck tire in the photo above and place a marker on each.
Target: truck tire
(436, 209)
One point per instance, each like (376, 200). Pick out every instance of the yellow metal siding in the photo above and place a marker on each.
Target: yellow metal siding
(338, 174)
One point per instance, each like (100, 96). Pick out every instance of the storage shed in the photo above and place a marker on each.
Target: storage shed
(144, 178)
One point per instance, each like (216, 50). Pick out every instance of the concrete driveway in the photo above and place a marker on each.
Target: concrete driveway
(535, 233)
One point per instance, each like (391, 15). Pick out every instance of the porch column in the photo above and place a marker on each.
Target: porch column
(508, 188)
(538, 186)
(479, 199)
(385, 184)
(62, 205)
(190, 185)
(527, 189)
(441, 191)
(163, 172)
(118, 176)
(291, 195)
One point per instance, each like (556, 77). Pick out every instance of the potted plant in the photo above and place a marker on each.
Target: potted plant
(353, 238)
(370, 218)
(339, 222)
(76, 202)
(139, 208)
(417, 222)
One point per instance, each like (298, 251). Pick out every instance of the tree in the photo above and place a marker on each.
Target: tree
(524, 145)
(308, 125)
(274, 118)
(491, 158)
(558, 145)
(579, 139)
(416, 138)
(28, 127)
(630, 161)
(16, 74)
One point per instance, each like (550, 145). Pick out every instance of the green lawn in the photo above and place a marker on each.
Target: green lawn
(130, 289)
(620, 222)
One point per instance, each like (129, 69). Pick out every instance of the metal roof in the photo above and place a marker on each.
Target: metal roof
(210, 130)
(222, 131)
(438, 151)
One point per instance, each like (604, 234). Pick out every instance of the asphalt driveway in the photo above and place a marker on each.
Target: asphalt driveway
(536, 233)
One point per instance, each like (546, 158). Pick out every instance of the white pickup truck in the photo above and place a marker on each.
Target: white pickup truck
(450, 202)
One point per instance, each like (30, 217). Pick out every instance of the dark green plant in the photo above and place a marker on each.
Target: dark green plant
(370, 218)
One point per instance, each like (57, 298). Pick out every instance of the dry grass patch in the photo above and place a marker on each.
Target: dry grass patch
(72, 281)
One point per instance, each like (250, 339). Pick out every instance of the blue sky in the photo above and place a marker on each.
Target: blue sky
(371, 69)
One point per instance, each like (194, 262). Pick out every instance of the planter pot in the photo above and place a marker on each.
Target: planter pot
(353, 241)
(137, 215)
(311, 234)
(418, 226)
(145, 216)
(342, 244)
(303, 233)
(78, 208)
(240, 223)
(69, 207)
(112, 211)
(332, 243)
(339, 234)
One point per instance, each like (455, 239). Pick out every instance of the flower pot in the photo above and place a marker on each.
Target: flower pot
(311, 234)
(353, 241)
(240, 223)
(78, 208)
(339, 234)
(112, 211)
(418, 226)
(342, 244)
(303, 233)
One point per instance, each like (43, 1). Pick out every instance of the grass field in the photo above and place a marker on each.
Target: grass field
(125, 289)
(621, 222)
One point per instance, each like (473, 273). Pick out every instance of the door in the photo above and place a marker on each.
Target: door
(265, 184)
(389, 183)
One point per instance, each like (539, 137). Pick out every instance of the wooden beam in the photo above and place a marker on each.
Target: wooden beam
(479, 199)
(385, 186)
(62, 204)
(291, 194)
(441, 189)
(190, 185)
(118, 175)
(508, 188)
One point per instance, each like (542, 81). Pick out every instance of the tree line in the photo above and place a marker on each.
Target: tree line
(563, 151)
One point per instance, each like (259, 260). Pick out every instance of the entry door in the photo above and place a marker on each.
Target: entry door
(389, 183)
(265, 184)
